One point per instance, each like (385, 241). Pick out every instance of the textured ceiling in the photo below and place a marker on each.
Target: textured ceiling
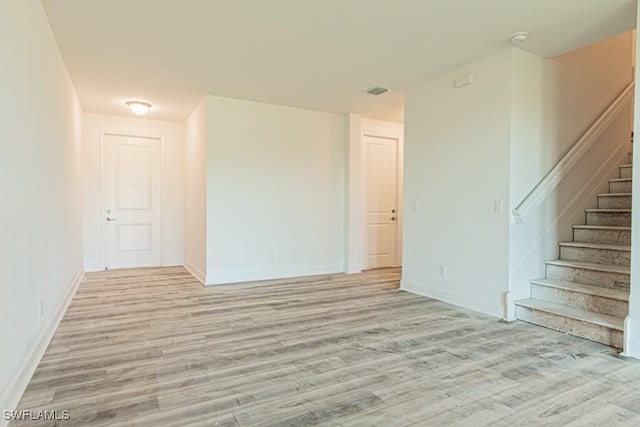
(310, 54)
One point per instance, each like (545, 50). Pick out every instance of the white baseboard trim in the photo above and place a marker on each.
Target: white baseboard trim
(91, 267)
(509, 307)
(11, 396)
(479, 303)
(631, 343)
(195, 271)
(630, 355)
(172, 262)
(225, 277)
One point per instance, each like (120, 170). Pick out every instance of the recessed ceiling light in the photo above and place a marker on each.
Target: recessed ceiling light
(519, 37)
(138, 107)
(376, 90)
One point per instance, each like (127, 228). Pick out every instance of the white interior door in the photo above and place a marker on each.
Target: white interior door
(381, 212)
(132, 201)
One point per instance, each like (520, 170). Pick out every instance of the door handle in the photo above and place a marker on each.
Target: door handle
(393, 218)
(110, 219)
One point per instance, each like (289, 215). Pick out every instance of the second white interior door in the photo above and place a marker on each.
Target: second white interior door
(380, 197)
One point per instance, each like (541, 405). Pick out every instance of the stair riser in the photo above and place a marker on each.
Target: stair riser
(620, 187)
(588, 277)
(578, 328)
(612, 237)
(596, 256)
(626, 172)
(618, 219)
(599, 304)
(614, 202)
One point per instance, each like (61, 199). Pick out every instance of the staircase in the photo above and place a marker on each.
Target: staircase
(586, 292)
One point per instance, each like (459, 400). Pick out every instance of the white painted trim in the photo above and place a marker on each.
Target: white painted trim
(376, 133)
(195, 272)
(229, 276)
(508, 301)
(354, 229)
(631, 344)
(91, 267)
(398, 139)
(550, 181)
(10, 397)
(477, 303)
(101, 135)
(163, 201)
(353, 203)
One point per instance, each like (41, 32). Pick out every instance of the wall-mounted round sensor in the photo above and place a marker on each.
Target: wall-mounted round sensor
(519, 37)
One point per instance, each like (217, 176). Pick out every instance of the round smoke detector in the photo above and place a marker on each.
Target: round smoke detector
(519, 37)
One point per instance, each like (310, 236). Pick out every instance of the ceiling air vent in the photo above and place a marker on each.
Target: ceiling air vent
(376, 90)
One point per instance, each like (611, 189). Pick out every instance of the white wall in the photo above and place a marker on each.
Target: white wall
(93, 126)
(534, 122)
(456, 165)
(195, 207)
(632, 324)
(587, 81)
(556, 100)
(275, 191)
(553, 103)
(495, 140)
(41, 193)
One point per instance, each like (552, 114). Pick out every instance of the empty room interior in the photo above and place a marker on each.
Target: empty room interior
(337, 212)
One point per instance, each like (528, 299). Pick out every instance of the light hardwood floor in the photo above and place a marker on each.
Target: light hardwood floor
(153, 347)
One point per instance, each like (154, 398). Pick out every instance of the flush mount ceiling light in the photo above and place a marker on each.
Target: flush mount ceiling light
(376, 90)
(519, 37)
(138, 107)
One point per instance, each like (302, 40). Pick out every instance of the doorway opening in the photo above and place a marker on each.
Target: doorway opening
(132, 195)
(380, 201)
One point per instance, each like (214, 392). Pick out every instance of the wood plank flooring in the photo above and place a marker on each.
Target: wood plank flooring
(153, 347)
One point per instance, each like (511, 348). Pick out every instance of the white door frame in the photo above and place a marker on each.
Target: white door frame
(354, 219)
(363, 212)
(161, 141)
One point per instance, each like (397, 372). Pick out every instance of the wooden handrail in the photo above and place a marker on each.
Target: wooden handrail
(550, 181)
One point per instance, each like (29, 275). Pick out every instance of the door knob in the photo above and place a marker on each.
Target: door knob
(393, 218)
(110, 219)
